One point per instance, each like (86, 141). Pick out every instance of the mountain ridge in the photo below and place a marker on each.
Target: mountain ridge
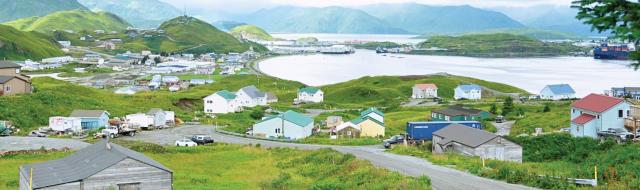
(76, 20)
(17, 9)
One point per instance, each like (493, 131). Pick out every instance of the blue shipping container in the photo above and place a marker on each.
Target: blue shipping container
(424, 130)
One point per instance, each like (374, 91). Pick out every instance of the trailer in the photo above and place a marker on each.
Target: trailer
(63, 124)
(423, 131)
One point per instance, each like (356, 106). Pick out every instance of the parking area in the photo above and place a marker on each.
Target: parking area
(35, 143)
(171, 135)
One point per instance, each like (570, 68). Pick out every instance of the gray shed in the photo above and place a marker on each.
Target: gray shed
(99, 166)
(475, 142)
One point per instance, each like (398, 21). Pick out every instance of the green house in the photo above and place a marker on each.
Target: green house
(459, 113)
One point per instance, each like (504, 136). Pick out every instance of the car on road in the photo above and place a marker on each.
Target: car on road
(202, 139)
(393, 140)
(186, 142)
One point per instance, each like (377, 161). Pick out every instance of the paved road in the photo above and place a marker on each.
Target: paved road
(442, 178)
(35, 143)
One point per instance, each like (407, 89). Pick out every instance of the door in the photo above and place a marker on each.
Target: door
(129, 186)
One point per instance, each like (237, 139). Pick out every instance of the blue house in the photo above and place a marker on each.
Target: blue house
(557, 92)
(91, 119)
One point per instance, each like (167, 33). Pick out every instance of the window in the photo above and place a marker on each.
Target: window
(17, 71)
(573, 110)
(209, 102)
(278, 131)
(620, 114)
(129, 186)
(628, 113)
(7, 88)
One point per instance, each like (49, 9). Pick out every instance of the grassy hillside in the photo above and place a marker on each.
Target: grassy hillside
(140, 13)
(250, 32)
(19, 45)
(226, 25)
(539, 34)
(496, 45)
(76, 20)
(16, 9)
(224, 166)
(374, 45)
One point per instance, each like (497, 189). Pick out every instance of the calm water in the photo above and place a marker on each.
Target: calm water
(585, 74)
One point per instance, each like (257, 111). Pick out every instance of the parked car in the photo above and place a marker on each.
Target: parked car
(202, 139)
(393, 140)
(617, 133)
(500, 119)
(565, 130)
(37, 134)
(186, 142)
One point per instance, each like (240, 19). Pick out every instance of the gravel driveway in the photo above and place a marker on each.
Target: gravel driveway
(34, 143)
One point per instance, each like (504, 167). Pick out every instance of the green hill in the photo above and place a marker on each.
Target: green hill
(140, 13)
(225, 25)
(76, 20)
(250, 32)
(16, 9)
(190, 35)
(539, 34)
(495, 45)
(19, 45)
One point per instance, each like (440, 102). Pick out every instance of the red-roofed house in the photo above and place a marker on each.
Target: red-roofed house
(424, 91)
(595, 113)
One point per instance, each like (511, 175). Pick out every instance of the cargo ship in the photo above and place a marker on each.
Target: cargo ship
(617, 52)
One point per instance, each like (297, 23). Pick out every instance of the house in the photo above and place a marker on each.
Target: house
(595, 113)
(334, 121)
(348, 130)
(91, 119)
(629, 92)
(310, 94)
(271, 97)
(64, 124)
(250, 96)
(221, 102)
(200, 81)
(12, 82)
(421, 91)
(469, 92)
(288, 125)
(65, 44)
(459, 113)
(557, 92)
(371, 123)
(102, 165)
(475, 142)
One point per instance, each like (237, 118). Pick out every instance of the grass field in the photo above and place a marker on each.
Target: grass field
(223, 166)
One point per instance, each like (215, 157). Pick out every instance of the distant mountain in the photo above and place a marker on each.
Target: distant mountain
(425, 19)
(140, 13)
(286, 19)
(16, 9)
(550, 17)
(76, 20)
(539, 34)
(19, 45)
(250, 32)
(227, 25)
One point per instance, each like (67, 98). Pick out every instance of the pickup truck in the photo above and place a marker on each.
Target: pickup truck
(618, 134)
(114, 131)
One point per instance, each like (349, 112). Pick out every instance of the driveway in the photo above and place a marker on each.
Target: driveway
(35, 143)
(503, 128)
(442, 178)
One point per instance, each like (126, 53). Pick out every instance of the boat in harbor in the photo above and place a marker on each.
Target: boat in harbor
(611, 51)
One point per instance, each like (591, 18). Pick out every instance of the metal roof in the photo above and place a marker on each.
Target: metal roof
(87, 113)
(226, 95)
(253, 92)
(470, 87)
(597, 103)
(309, 90)
(293, 117)
(464, 135)
(426, 86)
(8, 64)
(4, 78)
(371, 110)
(561, 89)
(83, 164)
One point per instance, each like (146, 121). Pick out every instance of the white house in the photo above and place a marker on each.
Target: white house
(310, 94)
(250, 96)
(557, 92)
(65, 124)
(288, 125)
(470, 92)
(221, 102)
(595, 113)
(424, 91)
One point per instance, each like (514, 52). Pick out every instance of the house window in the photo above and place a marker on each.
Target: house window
(628, 113)
(573, 110)
(209, 102)
(17, 71)
(7, 88)
(620, 114)
(129, 186)
(278, 131)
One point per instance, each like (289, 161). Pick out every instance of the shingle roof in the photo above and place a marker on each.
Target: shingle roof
(226, 94)
(469, 87)
(83, 164)
(561, 89)
(309, 90)
(87, 113)
(583, 119)
(371, 110)
(7, 64)
(458, 111)
(597, 103)
(426, 86)
(464, 135)
(4, 78)
(293, 117)
(253, 92)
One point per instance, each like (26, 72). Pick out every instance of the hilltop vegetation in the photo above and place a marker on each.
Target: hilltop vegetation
(140, 13)
(16, 9)
(76, 20)
(190, 35)
(246, 167)
(227, 25)
(374, 45)
(19, 45)
(250, 32)
(496, 45)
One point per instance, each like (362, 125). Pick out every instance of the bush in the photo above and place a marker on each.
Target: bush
(257, 114)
